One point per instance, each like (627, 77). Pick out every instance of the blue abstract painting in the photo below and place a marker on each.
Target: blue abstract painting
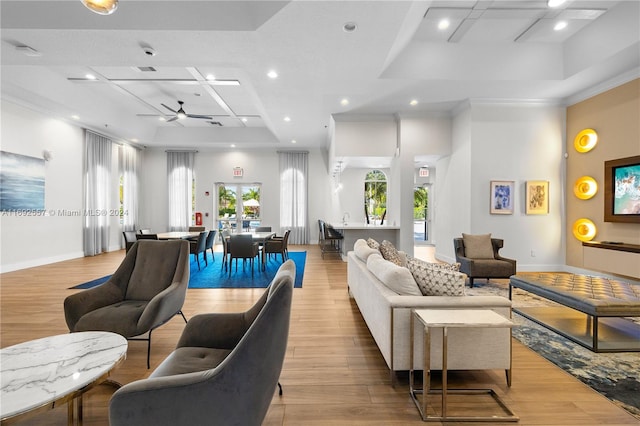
(21, 182)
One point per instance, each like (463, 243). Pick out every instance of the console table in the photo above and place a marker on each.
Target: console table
(613, 257)
(44, 373)
(445, 319)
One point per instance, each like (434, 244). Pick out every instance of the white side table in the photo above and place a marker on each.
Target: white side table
(445, 319)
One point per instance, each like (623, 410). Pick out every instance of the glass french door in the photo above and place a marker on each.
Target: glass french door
(238, 206)
(421, 216)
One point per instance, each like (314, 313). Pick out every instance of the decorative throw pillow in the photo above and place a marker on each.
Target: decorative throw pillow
(435, 281)
(390, 253)
(373, 243)
(477, 246)
(398, 279)
(362, 250)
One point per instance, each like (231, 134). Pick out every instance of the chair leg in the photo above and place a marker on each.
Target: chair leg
(149, 350)
(470, 282)
(183, 317)
(279, 389)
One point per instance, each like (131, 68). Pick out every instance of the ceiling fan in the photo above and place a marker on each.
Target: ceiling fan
(180, 114)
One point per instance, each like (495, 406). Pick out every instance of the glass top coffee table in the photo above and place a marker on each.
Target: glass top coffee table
(44, 373)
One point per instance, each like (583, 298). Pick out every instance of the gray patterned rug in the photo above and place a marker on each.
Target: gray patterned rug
(615, 375)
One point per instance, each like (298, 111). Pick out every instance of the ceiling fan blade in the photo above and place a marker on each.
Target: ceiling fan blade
(171, 119)
(204, 117)
(172, 110)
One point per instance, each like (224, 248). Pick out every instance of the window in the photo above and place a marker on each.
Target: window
(375, 196)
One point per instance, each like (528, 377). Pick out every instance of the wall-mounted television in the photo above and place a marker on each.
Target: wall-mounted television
(622, 190)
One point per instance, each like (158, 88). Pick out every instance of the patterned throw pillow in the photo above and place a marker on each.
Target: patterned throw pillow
(373, 243)
(390, 253)
(436, 281)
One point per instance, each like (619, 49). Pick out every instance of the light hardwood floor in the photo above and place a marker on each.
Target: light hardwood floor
(333, 372)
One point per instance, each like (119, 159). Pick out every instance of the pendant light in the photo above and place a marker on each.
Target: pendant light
(102, 7)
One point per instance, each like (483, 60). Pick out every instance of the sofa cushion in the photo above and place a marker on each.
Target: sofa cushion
(395, 277)
(390, 253)
(373, 243)
(362, 250)
(434, 280)
(477, 246)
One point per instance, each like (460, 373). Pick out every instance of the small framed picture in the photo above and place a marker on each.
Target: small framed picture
(502, 196)
(537, 197)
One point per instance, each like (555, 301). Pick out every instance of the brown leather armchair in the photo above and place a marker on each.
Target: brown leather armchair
(496, 267)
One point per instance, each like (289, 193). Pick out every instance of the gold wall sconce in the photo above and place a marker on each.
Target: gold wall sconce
(584, 229)
(586, 140)
(102, 7)
(585, 187)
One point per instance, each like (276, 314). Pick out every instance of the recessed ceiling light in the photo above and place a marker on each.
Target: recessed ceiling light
(344, 102)
(272, 74)
(210, 77)
(134, 139)
(560, 25)
(75, 117)
(443, 24)
(287, 119)
(162, 119)
(294, 141)
(233, 145)
(244, 119)
(90, 76)
(555, 3)
(350, 27)
(413, 102)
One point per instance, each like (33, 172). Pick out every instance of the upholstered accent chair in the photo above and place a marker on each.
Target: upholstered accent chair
(479, 258)
(224, 370)
(147, 290)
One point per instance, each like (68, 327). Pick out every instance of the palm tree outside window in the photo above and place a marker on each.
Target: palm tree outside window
(375, 196)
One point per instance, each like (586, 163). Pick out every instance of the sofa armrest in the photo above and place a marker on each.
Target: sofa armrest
(449, 302)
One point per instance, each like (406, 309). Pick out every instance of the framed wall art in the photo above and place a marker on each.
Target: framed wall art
(502, 196)
(22, 182)
(537, 197)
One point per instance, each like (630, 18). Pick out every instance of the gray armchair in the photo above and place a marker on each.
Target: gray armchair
(147, 290)
(491, 265)
(224, 370)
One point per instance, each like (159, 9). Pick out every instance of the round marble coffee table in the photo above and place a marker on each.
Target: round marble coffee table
(44, 373)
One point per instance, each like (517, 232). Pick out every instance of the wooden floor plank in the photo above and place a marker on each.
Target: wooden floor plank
(333, 372)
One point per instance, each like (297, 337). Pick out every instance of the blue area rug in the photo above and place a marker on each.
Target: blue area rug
(214, 276)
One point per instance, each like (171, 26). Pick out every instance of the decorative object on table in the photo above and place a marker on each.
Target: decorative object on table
(479, 257)
(224, 369)
(147, 290)
(501, 200)
(22, 182)
(537, 197)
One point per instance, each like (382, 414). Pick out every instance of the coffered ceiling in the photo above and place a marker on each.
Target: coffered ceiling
(63, 60)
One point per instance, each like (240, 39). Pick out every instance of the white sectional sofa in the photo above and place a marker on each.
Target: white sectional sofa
(388, 316)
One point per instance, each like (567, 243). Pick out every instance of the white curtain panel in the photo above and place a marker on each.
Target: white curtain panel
(129, 162)
(180, 181)
(97, 178)
(294, 203)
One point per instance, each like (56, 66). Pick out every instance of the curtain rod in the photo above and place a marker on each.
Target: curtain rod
(292, 152)
(180, 150)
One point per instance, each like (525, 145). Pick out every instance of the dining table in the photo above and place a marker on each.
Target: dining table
(177, 235)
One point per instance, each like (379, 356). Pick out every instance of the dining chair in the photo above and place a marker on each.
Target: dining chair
(241, 246)
(129, 239)
(225, 235)
(195, 229)
(146, 236)
(144, 231)
(198, 246)
(263, 229)
(276, 245)
(209, 245)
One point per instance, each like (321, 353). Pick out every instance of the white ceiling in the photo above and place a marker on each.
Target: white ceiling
(492, 50)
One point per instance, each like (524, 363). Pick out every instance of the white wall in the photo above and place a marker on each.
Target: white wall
(517, 142)
(259, 166)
